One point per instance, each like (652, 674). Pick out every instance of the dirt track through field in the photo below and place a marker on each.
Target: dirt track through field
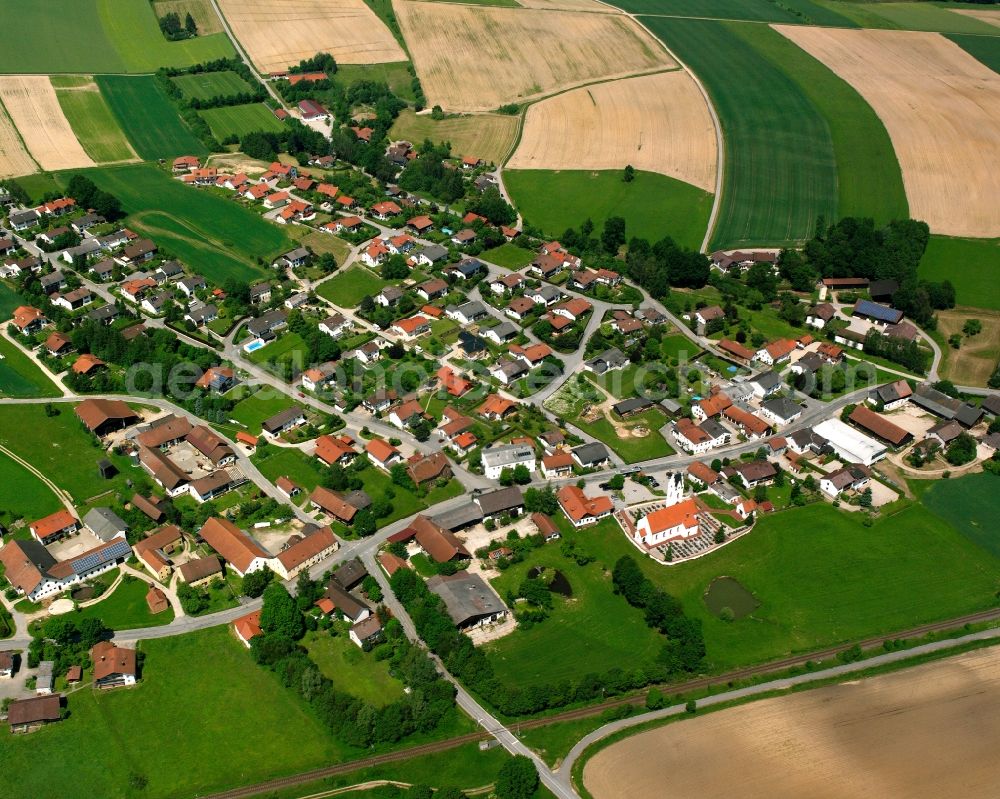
(14, 159)
(923, 733)
(658, 123)
(34, 108)
(477, 58)
(941, 108)
(278, 34)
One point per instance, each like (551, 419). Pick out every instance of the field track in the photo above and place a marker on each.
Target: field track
(658, 123)
(878, 736)
(941, 108)
(277, 35)
(34, 109)
(595, 710)
(477, 58)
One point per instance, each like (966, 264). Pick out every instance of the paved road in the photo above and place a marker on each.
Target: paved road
(564, 775)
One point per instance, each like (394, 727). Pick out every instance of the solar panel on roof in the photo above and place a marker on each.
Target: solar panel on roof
(118, 549)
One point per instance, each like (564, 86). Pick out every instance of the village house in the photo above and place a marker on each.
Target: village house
(849, 478)
(468, 599)
(114, 666)
(307, 551)
(498, 458)
(283, 421)
(241, 552)
(383, 454)
(582, 510)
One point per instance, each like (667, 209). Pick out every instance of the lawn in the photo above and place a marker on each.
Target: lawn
(238, 120)
(509, 255)
(971, 504)
(972, 266)
(781, 170)
(396, 74)
(592, 631)
(208, 85)
(289, 348)
(148, 117)
(9, 300)
(25, 496)
(20, 376)
(257, 407)
(803, 11)
(126, 608)
(354, 671)
(486, 136)
(568, 403)
(301, 469)
(88, 36)
(620, 383)
(975, 360)
(677, 346)
(347, 289)
(654, 206)
(984, 48)
(94, 124)
(823, 578)
(61, 448)
(217, 237)
(221, 707)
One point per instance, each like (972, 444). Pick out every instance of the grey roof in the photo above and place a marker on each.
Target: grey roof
(266, 322)
(548, 293)
(19, 217)
(433, 252)
(806, 438)
(170, 268)
(767, 380)
(991, 404)
(503, 499)
(467, 266)
(103, 313)
(471, 342)
(105, 523)
(296, 254)
(85, 247)
(505, 330)
(457, 518)
(782, 407)
(713, 428)
(592, 452)
(470, 310)
(510, 454)
(608, 359)
(260, 289)
(198, 315)
(937, 402)
(346, 603)
(105, 267)
(52, 279)
(512, 369)
(631, 405)
(968, 415)
(467, 597)
(282, 418)
(193, 282)
(351, 573)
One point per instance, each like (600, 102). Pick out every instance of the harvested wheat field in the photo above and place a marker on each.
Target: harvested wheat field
(659, 123)
(992, 16)
(571, 5)
(34, 108)
(941, 108)
(923, 733)
(278, 34)
(486, 136)
(14, 159)
(477, 58)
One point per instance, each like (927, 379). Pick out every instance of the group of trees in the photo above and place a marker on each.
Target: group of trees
(170, 26)
(66, 641)
(659, 266)
(352, 720)
(854, 247)
(295, 138)
(427, 173)
(684, 651)
(88, 195)
(898, 350)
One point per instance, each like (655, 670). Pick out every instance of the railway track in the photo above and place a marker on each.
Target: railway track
(687, 686)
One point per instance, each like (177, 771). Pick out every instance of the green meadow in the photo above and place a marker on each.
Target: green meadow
(972, 266)
(653, 206)
(148, 117)
(238, 120)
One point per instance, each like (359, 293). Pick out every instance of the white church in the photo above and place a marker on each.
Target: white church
(678, 520)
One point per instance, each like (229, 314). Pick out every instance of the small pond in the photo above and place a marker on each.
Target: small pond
(725, 592)
(83, 594)
(557, 582)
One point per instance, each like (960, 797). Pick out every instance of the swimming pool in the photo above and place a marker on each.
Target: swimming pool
(253, 346)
